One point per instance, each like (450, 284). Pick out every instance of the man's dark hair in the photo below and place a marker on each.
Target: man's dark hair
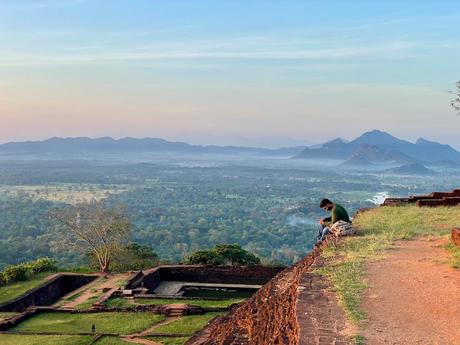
(325, 202)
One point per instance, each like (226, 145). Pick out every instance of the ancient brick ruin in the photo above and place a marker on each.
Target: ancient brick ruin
(56, 287)
(430, 200)
(282, 312)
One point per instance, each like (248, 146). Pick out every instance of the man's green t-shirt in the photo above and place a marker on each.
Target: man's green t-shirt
(337, 213)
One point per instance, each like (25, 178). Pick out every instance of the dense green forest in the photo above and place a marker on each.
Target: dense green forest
(271, 212)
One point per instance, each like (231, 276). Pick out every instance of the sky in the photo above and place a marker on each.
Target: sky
(215, 71)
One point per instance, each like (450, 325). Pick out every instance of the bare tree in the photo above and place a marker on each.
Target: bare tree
(91, 227)
(455, 103)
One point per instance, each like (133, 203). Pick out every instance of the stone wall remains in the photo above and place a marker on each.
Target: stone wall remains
(51, 290)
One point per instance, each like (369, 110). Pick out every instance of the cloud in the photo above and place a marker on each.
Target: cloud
(41, 4)
(243, 48)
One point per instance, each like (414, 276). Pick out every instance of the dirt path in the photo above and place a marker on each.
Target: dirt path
(96, 288)
(413, 296)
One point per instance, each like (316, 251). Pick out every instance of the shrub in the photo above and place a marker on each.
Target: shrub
(15, 273)
(24, 271)
(223, 254)
(205, 257)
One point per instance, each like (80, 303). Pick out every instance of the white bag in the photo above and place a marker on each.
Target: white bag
(342, 228)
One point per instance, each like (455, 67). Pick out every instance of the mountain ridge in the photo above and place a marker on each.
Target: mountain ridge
(390, 147)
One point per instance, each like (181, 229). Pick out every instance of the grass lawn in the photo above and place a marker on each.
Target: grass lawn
(118, 323)
(111, 341)
(122, 302)
(168, 340)
(378, 231)
(187, 324)
(11, 291)
(13, 339)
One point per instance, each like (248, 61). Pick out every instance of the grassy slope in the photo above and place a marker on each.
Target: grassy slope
(378, 230)
(13, 339)
(11, 291)
(118, 323)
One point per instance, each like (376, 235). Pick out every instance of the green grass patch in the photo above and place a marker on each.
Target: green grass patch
(119, 302)
(117, 323)
(378, 231)
(14, 339)
(169, 340)
(359, 340)
(111, 341)
(14, 290)
(454, 255)
(187, 324)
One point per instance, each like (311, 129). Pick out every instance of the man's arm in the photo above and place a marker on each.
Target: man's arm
(325, 221)
(334, 216)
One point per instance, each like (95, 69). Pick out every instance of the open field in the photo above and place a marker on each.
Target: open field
(118, 323)
(63, 192)
(11, 291)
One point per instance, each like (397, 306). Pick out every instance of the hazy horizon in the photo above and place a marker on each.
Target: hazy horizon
(234, 140)
(209, 71)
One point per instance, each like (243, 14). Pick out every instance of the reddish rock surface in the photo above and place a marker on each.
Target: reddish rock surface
(456, 236)
(296, 307)
(269, 317)
(320, 317)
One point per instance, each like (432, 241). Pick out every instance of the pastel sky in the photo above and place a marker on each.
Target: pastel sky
(310, 70)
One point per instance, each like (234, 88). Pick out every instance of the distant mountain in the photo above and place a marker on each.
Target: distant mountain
(358, 162)
(386, 148)
(412, 169)
(110, 145)
(446, 163)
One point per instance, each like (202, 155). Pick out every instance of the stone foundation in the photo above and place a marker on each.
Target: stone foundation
(50, 291)
(430, 200)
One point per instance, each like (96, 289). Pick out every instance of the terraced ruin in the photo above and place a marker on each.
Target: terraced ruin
(128, 308)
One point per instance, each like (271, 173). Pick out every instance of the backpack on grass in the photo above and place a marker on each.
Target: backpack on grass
(342, 228)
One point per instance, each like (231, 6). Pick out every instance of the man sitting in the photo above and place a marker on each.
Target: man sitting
(337, 213)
